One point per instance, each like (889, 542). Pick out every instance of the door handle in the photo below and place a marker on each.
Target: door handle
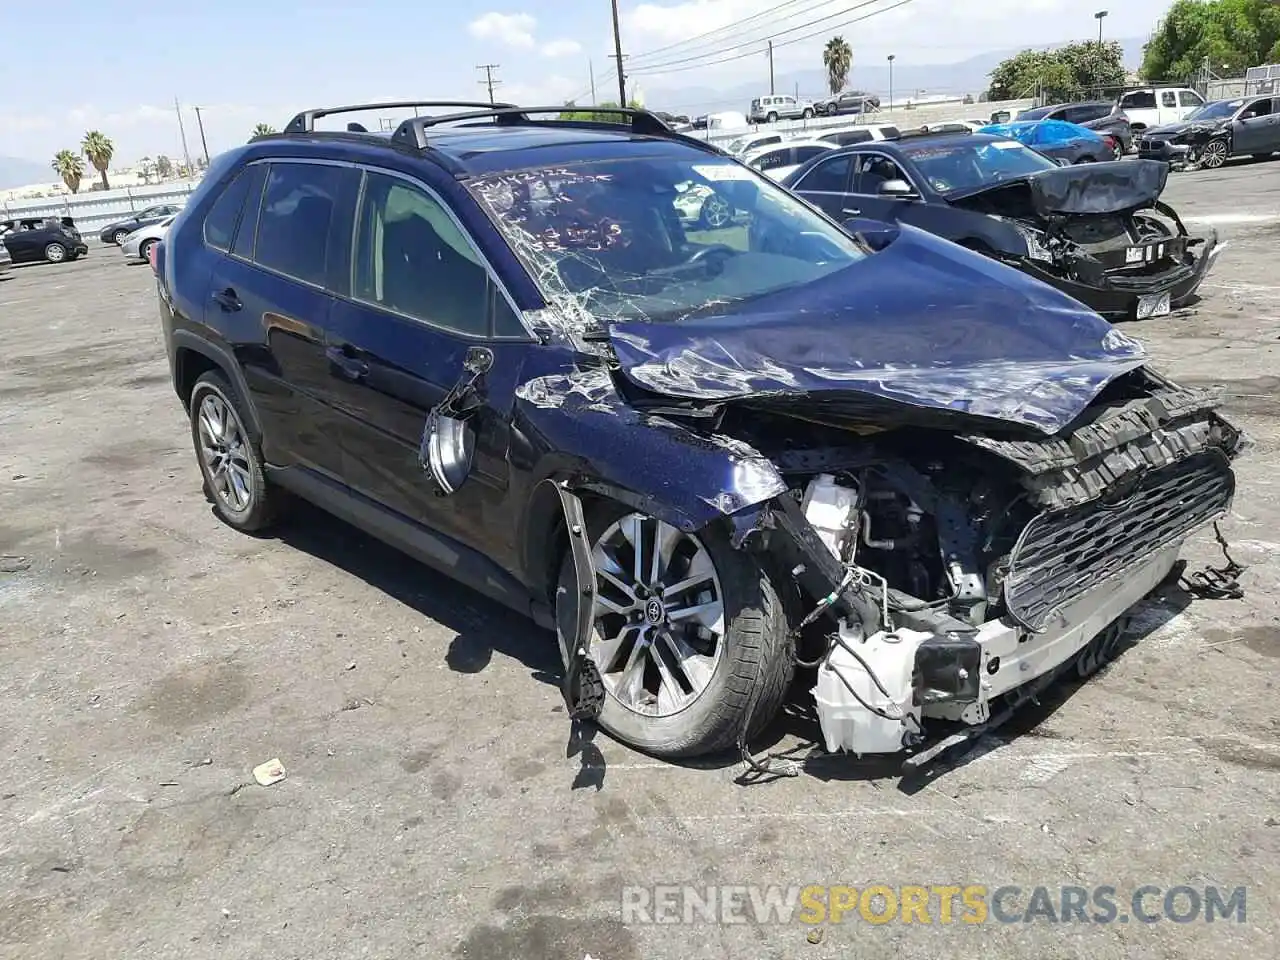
(352, 368)
(851, 211)
(227, 300)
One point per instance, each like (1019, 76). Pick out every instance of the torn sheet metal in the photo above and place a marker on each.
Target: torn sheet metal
(685, 478)
(923, 332)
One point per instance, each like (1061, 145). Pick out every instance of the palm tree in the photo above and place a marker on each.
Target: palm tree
(164, 167)
(837, 57)
(70, 168)
(99, 150)
(264, 130)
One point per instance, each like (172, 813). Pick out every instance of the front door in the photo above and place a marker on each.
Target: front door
(1256, 130)
(871, 172)
(422, 299)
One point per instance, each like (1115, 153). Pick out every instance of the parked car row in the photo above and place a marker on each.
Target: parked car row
(915, 469)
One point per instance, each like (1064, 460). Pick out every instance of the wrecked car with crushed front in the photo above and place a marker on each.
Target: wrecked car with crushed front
(1216, 132)
(708, 455)
(1097, 231)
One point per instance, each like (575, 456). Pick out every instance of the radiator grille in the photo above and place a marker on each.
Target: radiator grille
(1062, 556)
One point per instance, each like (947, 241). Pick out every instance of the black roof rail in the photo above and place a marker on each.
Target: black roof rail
(414, 132)
(305, 122)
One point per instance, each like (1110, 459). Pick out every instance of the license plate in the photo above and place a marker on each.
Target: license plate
(1156, 305)
(1148, 254)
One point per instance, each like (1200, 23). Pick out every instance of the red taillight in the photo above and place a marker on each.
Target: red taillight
(151, 255)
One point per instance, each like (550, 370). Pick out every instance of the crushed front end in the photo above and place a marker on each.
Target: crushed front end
(1101, 234)
(952, 577)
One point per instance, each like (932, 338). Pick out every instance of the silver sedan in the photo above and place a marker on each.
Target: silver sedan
(137, 245)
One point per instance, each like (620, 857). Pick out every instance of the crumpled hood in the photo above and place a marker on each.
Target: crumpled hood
(1116, 186)
(922, 331)
(1170, 130)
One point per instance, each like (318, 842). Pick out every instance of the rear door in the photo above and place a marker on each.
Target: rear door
(421, 298)
(272, 293)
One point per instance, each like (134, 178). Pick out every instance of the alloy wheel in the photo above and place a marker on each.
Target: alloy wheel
(1214, 155)
(659, 617)
(55, 253)
(224, 452)
(716, 212)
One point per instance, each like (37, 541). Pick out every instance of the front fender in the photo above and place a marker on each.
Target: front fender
(670, 472)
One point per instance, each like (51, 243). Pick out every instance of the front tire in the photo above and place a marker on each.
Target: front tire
(229, 457)
(771, 118)
(716, 213)
(144, 251)
(689, 636)
(55, 253)
(1214, 154)
(807, 115)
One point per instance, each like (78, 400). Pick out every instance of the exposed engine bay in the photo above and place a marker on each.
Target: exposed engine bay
(962, 553)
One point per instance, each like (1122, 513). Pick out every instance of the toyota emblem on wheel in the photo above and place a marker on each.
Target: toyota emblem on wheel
(654, 611)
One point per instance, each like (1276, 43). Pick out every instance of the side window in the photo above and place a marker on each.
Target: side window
(412, 258)
(830, 176)
(874, 170)
(1189, 98)
(1259, 108)
(220, 221)
(1139, 100)
(248, 232)
(805, 154)
(1168, 98)
(294, 224)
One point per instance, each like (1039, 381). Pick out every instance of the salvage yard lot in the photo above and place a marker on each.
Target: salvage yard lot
(150, 657)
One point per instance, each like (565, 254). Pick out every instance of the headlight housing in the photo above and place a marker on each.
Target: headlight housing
(1035, 241)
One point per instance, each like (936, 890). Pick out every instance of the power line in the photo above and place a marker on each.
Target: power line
(768, 14)
(488, 80)
(751, 53)
(738, 44)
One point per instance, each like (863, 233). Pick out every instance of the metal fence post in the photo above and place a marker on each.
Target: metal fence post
(129, 193)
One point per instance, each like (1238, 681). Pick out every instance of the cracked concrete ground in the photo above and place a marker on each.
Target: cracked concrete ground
(150, 657)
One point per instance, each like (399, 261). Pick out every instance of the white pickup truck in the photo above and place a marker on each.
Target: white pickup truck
(1156, 106)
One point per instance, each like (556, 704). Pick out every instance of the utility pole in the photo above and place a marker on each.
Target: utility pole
(591, 69)
(617, 53)
(203, 142)
(892, 57)
(772, 91)
(488, 80)
(182, 131)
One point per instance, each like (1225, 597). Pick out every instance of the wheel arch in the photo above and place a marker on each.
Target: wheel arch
(193, 357)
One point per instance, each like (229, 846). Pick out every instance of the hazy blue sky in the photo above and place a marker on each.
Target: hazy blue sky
(248, 62)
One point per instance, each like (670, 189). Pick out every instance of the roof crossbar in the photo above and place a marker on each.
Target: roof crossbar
(305, 122)
(414, 132)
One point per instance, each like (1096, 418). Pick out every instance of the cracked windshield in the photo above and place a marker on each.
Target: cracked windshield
(661, 239)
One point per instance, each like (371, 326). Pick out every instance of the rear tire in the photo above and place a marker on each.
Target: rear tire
(771, 118)
(118, 237)
(229, 457)
(752, 666)
(55, 253)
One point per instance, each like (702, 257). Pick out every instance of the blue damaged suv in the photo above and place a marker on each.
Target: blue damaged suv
(708, 453)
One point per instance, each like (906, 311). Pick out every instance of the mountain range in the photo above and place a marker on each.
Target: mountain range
(18, 172)
(970, 76)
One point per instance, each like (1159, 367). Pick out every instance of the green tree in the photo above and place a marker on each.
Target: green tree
(70, 168)
(146, 167)
(264, 130)
(164, 167)
(99, 149)
(1232, 35)
(1060, 74)
(572, 112)
(837, 57)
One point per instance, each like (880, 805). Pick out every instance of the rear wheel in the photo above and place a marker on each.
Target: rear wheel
(55, 253)
(689, 634)
(716, 212)
(229, 458)
(118, 237)
(772, 117)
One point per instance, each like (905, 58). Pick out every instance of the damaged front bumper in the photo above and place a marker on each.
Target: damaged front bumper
(1116, 294)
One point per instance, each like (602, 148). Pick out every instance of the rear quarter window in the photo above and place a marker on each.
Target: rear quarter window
(220, 222)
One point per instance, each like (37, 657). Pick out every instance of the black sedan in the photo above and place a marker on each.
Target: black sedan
(52, 239)
(1097, 232)
(1216, 132)
(114, 233)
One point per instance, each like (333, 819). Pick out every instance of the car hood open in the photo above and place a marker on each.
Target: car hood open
(921, 332)
(1115, 186)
